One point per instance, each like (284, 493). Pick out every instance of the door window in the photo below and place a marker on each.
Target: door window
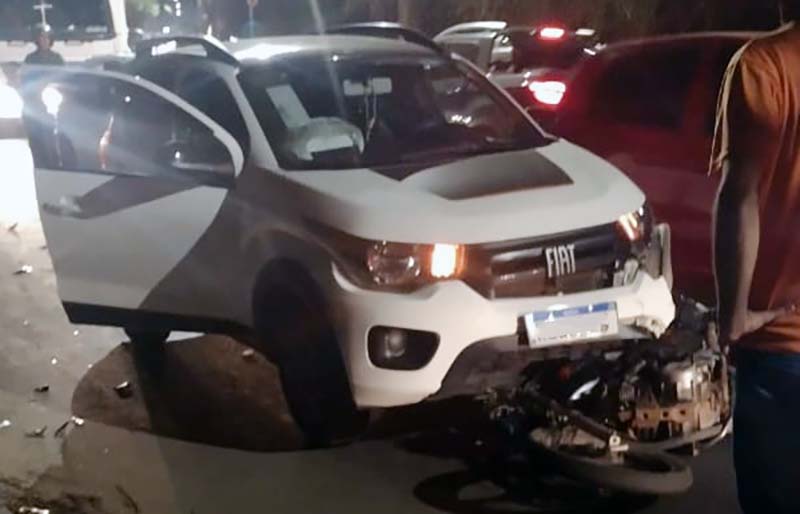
(93, 123)
(213, 97)
(649, 90)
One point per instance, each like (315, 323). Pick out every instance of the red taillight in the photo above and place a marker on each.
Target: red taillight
(552, 33)
(548, 92)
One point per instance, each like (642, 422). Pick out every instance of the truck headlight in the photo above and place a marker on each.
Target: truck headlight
(393, 264)
(398, 265)
(636, 226)
(10, 103)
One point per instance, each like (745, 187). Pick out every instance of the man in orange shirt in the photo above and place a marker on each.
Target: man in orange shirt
(757, 262)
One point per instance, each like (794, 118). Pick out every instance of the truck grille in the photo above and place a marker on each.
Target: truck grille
(519, 269)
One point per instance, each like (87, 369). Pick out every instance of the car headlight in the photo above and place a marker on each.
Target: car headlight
(636, 226)
(10, 103)
(407, 266)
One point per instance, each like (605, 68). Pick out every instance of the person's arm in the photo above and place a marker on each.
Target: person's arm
(737, 225)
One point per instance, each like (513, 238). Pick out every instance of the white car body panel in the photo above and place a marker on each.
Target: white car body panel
(129, 256)
(380, 205)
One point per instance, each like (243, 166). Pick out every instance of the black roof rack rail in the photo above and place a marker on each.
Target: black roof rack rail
(387, 30)
(213, 48)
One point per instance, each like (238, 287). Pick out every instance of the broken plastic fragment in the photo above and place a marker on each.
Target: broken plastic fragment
(26, 269)
(124, 390)
(60, 430)
(78, 422)
(38, 433)
(42, 388)
(6, 423)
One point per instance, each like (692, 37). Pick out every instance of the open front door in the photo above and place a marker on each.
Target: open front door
(128, 177)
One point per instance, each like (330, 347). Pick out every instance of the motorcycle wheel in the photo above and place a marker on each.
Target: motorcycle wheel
(640, 473)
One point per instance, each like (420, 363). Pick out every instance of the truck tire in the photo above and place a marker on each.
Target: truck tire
(302, 341)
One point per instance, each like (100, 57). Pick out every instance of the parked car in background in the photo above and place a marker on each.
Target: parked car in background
(531, 63)
(649, 107)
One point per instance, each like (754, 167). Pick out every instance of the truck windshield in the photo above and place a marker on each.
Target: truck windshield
(323, 113)
(69, 19)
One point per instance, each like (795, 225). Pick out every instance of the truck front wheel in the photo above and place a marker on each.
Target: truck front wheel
(313, 374)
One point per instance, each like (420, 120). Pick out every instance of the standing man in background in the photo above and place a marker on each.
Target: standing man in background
(757, 261)
(44, 54)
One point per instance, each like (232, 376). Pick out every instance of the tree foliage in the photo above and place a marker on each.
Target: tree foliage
(614, 19)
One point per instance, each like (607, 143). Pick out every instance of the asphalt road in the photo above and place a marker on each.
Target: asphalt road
(213, 435)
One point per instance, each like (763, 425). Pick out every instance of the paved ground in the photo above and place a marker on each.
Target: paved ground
(214, 437)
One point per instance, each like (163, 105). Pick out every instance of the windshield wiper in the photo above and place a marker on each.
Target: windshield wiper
(467, 150)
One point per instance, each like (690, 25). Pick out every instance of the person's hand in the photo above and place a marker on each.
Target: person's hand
(755, 321)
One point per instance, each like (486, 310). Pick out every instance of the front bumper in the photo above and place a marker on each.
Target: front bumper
(462, 318)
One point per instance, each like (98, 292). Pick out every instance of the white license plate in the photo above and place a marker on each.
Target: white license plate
(573, 324)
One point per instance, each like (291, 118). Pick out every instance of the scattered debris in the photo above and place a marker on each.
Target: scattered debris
(124, 390)
(60, 430)
(130, 503)
(6, 423)
(75, 420)
(44, 388)
(53, 361)
(32, 510)
(37, 434)
(249, 354)
(26, 269)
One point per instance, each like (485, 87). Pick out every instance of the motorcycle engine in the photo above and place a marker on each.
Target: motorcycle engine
(678, 398)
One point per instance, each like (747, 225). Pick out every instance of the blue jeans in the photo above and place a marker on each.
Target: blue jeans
(767, 432)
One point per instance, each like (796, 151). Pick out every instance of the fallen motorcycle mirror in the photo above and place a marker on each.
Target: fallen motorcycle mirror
(624, 419)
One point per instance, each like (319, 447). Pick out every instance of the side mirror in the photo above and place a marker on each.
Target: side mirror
(203, 159)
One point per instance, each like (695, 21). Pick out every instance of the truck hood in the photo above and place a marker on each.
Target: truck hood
(504, 196)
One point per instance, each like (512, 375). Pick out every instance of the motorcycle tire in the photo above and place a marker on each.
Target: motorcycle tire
(640, 473)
